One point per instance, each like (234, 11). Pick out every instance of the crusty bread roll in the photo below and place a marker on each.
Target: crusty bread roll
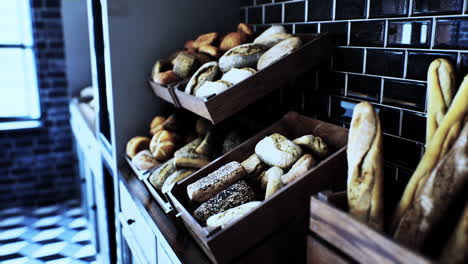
(315, 144)
(245, 55)
(212, 88)
(274, 181)
(156, 124)
(143, 160)
(273, 39)
(163, 145)
(174, 178)
(159, 176)
(210, 50)
(365, 167)
(159, 67)
(186, 156)
(277, 150)
(232, 40)
(244, 28)
(206, 39)
(441, 142)
(136, 145)
(184, 64)
(442, 188)
(213, 183)
(189, 45)
(299, 168)
(270, 31)
(279, 51)
(441, 88)
(237, 194)
(455, 252)
(236, 76)
(166, 77)
(231, 215)
(207, 72)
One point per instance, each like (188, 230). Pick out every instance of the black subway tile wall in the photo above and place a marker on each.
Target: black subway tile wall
(384, 49)
(37, 166)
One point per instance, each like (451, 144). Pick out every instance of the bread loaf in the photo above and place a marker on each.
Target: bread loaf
(186, 156)
(299, 168)
(159, 176)
(143, 160)
(315, 144)
(245, 55)
(365, 167)
(163, 145)
(443, 186)
(237, 194)
(273, 39)
(277, 150)
(184, 64)
(231, 215)
(274, 183)
(136, 145)
(455, 252)
(441, 88)
(278, 51)
(270, 31)
(174, 178)
(208, 186)
(236, 76)
(207, 72)
(441, 142)
(156, 124)
(212, 88)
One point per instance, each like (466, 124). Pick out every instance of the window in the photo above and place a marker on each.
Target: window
(19, 99)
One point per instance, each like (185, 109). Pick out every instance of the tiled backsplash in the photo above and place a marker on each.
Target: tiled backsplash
(383, 51)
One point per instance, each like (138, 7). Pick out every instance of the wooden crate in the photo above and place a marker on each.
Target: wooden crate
(316, 49)
(354, 239)
(289, 205)
(160, 198)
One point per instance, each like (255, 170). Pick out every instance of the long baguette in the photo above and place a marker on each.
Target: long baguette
(441, 88)
(443, 186)
(365, 167)
(441, 143)
(455, 252)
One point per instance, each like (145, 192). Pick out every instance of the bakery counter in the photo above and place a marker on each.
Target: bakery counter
(140, 214)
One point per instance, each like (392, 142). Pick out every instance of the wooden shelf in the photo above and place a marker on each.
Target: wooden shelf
(316, 49)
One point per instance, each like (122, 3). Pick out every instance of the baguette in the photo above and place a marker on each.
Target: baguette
(237, 194)
(443, 186)
(231, 215)
(186, 156)
(455, 252)
(159, 176)
(442, 141)
(365, 167)
(299, 168)
(209, 186)
(441, 88)
(174, 178)
(277, 150)
(274, 181)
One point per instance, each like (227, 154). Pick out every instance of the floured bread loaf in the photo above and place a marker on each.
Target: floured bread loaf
(365, 167)
(236, 76)
(277, 150)
(207, 72)
(212, 88)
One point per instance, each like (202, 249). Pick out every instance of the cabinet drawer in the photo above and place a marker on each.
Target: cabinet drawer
(132, 219)
(318, 253)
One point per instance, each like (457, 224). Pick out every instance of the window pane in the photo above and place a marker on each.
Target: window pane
(15, 23)
(18, 83)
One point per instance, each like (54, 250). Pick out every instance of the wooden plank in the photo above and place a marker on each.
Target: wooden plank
(318, 253)
(356, 239)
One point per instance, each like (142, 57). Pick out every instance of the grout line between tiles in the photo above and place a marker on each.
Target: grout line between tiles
(349, 34)
(364, 64)
(433, 30)
(399, 48)
(458, 66)
(405, 64)
(346, 85)
(464, 8)
(283, 15)
(382, 82)
(381, 76)
(263, 14)
(367, 9)
(386, 34)
(400, 123)
(333, 10)
(247, 18)
(410, 8)
(382, 104)
(306, 13)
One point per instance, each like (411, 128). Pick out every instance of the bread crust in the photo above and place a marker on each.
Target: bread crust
(277, 150)
(274, 183)
(279, 51)
(137, 144)
(305, 163)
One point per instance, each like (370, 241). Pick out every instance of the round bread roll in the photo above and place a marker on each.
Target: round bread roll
(156, 124)
(143, 160)
(277, 150)
(278, 51)
(245, 55)
(166, 77)
(184, 64)
(163, 145)
(236, 76)
(210, 88)
(207, 72)
(136, 145)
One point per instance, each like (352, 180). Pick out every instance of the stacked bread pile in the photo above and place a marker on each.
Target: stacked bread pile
(215, 64)
(236, 188)
(437, 188)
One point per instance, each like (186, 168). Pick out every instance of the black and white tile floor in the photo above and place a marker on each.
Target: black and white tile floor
(52, 234)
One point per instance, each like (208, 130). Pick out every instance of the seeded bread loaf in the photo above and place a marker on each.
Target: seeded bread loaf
(237, 194)
(209, 186)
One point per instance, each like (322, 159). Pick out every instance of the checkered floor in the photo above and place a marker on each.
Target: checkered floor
(53, 234)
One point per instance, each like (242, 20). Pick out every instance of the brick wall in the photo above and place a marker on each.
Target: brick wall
(37, 166)
(383, 52)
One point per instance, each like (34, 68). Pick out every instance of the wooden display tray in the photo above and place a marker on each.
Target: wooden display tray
(315, 49)
(352, 238)
(143, 176)
(288, 205)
